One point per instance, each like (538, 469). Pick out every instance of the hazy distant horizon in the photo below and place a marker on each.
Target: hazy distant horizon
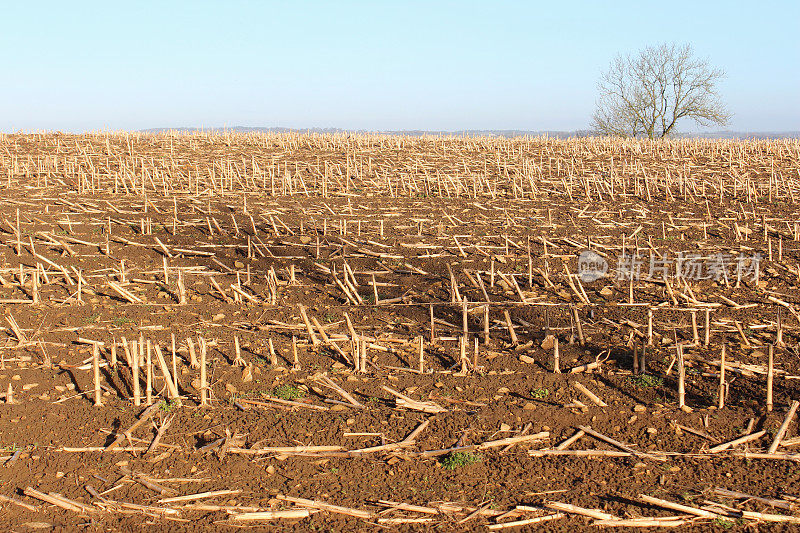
(507, 133)
(719, 134)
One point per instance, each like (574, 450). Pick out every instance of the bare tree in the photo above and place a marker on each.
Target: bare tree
(647, 94)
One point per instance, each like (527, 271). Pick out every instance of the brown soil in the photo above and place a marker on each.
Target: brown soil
(418, 234)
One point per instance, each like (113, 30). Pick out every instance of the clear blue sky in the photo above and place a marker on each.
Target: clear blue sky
(374, 65)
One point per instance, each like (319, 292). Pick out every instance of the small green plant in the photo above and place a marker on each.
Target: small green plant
(647, 380)
(723, 523)
(121, 321)
(261, 360)
(288, 392)
(328, 317)
(455, 460)
(167, 405)
(13, 448)
(540, 393)
(91, 319)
